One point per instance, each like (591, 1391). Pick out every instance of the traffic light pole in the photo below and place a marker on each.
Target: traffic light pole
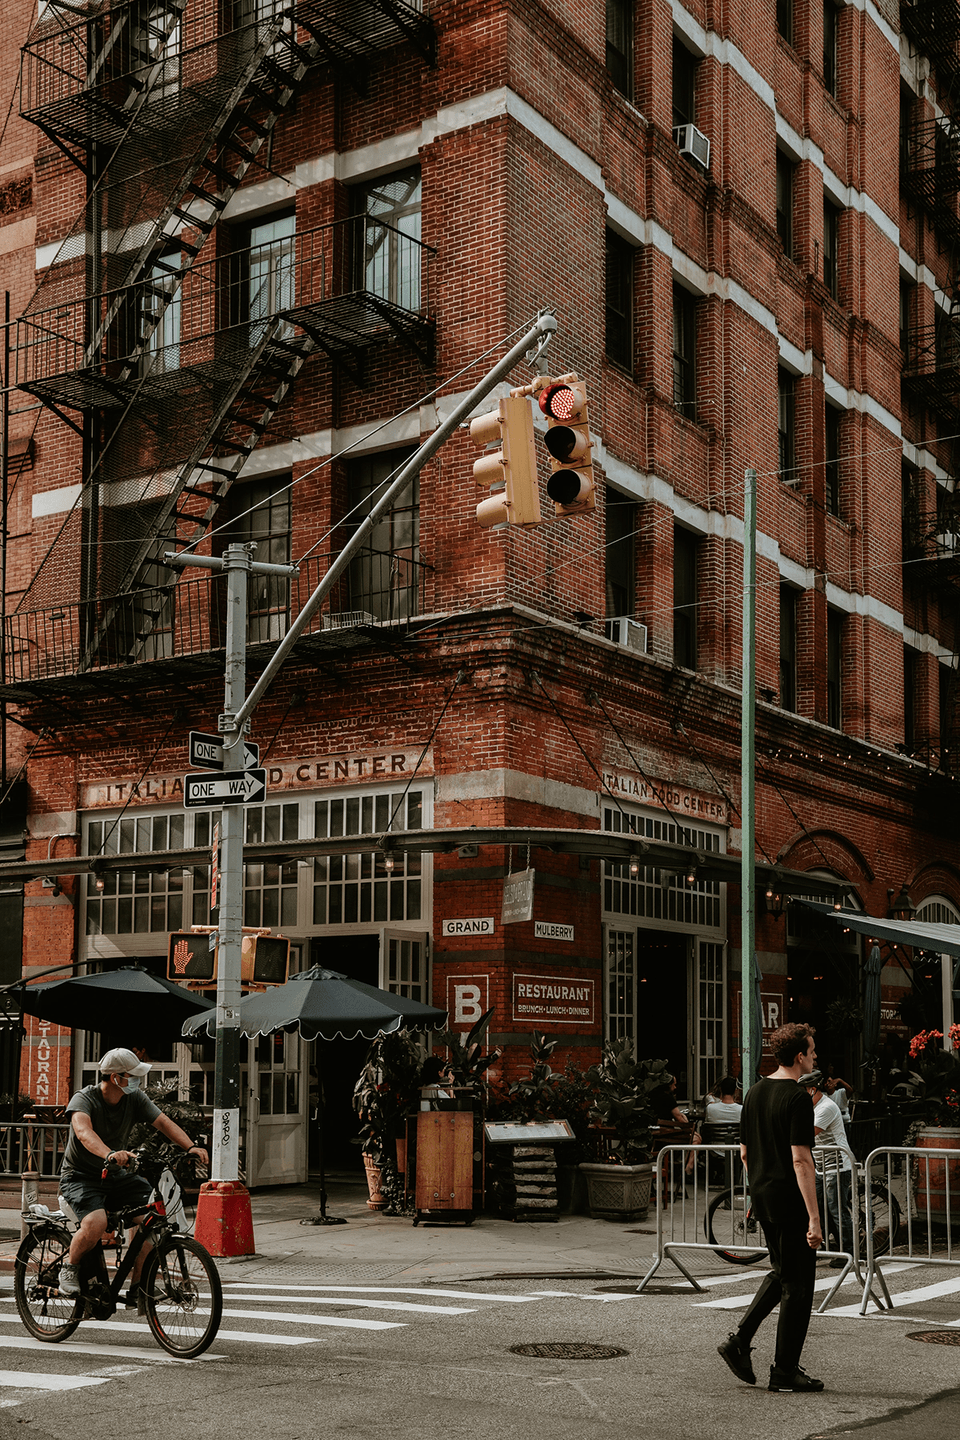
(237, 562)
(544, 326)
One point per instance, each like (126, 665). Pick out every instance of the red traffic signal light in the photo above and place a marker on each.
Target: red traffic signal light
(564, 402)
(511, 471)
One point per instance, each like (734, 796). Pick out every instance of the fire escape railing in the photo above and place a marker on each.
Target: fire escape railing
(188, 619)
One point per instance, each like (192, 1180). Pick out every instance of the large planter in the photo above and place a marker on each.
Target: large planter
(932, 1196)
(618, 1192)
(377, 1200)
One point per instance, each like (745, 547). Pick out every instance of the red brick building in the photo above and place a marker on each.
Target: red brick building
(254, 251)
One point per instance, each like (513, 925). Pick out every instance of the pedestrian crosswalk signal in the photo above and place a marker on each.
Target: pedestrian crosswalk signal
(511, 471)
(192, 957)
(571, 486)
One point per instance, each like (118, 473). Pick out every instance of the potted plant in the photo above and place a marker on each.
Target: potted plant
(386, 1091)
(935, 1078)
(619, 1186)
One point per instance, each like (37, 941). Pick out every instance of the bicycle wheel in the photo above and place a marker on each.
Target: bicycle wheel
(726, 1219)
(46, 1313)
(182, 1296)
(886, 1220)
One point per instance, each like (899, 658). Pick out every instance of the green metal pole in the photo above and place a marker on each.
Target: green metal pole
(748, 1060)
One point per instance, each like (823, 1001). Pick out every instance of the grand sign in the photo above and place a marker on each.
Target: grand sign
(312, 773)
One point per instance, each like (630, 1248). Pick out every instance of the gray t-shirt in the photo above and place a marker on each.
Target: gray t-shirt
(113, 1123)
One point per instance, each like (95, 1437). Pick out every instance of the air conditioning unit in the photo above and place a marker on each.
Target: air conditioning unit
(624, 630)
(347, 619)
(692, 143)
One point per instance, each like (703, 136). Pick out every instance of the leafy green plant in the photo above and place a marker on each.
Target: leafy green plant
(467, 1064)
(624, 1089)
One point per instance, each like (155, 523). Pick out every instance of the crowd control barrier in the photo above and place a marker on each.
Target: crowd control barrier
(688, 1208)
(928, 1218)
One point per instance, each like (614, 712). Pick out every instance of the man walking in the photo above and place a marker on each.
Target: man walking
(776, 1144)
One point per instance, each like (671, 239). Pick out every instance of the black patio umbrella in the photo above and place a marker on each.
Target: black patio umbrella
(324, 1005)
(128, 1000)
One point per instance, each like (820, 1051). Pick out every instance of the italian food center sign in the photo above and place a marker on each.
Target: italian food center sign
(554, 1000)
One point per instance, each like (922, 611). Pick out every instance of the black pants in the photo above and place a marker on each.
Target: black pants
(789, 1285)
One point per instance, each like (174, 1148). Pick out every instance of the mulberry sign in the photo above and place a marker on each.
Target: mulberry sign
(554, 999)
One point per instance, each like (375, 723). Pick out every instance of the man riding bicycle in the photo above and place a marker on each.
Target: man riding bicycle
(102, 1120)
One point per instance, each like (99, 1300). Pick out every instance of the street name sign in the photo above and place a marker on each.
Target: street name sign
(206, 751)
(233, 787)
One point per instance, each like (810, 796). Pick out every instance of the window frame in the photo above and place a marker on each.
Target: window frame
(619, 259)
(684, 352)
(619, 54)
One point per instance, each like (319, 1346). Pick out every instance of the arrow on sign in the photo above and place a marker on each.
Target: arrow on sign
(233, 787)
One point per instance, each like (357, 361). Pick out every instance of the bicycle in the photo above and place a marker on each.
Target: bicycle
(746, 1228)
(180, 1290)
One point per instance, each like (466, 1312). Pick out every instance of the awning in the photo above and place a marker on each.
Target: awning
(921, 934)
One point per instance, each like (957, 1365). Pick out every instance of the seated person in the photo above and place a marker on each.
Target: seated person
(724, 1110)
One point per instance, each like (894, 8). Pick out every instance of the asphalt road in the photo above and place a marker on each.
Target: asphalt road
(322, 1359)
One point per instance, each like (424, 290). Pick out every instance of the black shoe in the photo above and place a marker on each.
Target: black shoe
(797, 1383)
(737, 1356)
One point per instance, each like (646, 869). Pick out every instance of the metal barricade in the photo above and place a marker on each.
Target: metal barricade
(693, 1215)
(923, 1225)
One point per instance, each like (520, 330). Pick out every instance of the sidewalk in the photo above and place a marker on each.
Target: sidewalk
(373, 1246)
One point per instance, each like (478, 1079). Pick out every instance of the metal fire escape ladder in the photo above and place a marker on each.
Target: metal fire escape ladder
(237, 425)
(89, 110)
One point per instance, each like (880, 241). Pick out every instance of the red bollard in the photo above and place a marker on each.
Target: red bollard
(224, 1220)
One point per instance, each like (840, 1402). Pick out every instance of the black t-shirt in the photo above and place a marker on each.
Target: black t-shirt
(776, 1115)
(113, 1124)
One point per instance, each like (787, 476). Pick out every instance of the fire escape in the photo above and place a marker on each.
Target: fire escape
(169, 357)
(930, 179)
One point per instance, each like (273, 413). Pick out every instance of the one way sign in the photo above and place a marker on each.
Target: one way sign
(233, 787)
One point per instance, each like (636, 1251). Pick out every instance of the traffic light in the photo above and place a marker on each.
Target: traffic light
(511, 471)
(264, 959)
(570, 487)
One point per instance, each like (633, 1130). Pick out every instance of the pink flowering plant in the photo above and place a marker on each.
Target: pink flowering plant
(936, 1072)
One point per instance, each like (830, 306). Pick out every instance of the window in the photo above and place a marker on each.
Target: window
(786, 423)
(620, 553)
(262, 508)
(911, 667)
(684, 84)
(785, 20)
(270, 275)
(830, 37)
(620, 45)
(831, 455)
(391, 238)
(835, 669)
(619, 301)
(907, 288)
(685, 548)
(383, 580)
(788, 648)
(831, 248)
(160, 317)
(785, 171)
(684, 352)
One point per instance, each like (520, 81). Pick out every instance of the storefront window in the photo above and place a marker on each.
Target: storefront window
(654, 893)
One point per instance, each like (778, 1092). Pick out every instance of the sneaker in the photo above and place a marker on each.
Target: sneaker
(797, 1383)
(737, 1356)
(69, 1282)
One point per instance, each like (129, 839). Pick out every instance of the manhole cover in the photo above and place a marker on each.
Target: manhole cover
(936, 1337)
(569, 1350)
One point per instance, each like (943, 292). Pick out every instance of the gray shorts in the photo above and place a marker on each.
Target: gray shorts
(86, 1194)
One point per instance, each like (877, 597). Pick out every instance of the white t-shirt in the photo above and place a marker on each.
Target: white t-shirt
(719, 1113)
(833, 1135)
